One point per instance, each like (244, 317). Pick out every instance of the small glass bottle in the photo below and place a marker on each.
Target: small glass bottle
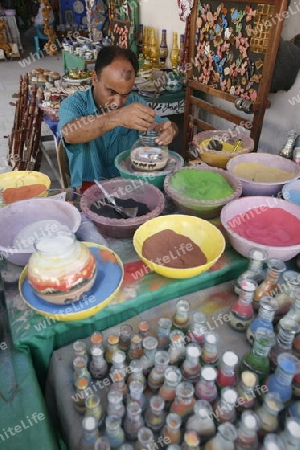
(269, 285)
(273, 442)
(140, 38)
(145, 439)
(2, 202)
(247, 432)
(257, 360)
(246, 390)
(191, 441)
(156, 376)
(94, 408)
(148, 358)
(163, 49)
(135, 371)
(102, 443)
(171, 430)
(118, 383)
(242, 312)
(289, 290)
(206, 388)
(181, 318)
(266, 312)
(198, 329)
(133, 421)
(174, 55)
(79, 348)
(291, 434)
(98, 365)
(294, 312)
(90, 433)
(172, 378)
(115, 405)
(255, 270)
(268, 414)
(96, 340)
(136, 395)
(125, 337)
(202, 421)
(136, 347)
(224, 410)
(114, 431)
(176, 348)
(281, 381)
(155, 415)
(224, 439)
(226, 370)
(191, 368)
(81, 386)
(80, 368)
(144, 329)
(288, 148)
(112, 346)
(288, 328)
(118, 364)
(163, 333)
(184, 401)
(210, 353)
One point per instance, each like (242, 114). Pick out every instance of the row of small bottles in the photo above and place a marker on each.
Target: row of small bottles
(156, 54)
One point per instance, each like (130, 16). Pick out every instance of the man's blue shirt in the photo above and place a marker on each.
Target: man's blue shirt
(94, 160)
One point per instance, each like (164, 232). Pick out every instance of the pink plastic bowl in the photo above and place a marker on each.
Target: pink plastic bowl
(123, 188)
(240, 207)
(258, 188)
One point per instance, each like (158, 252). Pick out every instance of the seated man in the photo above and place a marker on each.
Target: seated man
(98, 124)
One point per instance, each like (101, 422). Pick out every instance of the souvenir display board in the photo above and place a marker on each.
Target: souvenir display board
(232, 51)
(124, 22)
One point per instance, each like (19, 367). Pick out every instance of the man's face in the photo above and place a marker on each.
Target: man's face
(114, 84)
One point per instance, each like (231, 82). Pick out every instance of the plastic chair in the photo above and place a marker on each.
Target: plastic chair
(63, 166)
(39, 36)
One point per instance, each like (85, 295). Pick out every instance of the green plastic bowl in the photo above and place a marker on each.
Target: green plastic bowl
(155, 178)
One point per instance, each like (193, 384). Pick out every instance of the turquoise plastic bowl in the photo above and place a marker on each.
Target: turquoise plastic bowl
(155, 178)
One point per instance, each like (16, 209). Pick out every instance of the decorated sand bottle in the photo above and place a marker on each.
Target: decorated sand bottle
(294, 311)
(287, 294)
(172, 378)
(115, 406)
(136, 394)
(144, 329)
(89, 433)
(210, 352)
(281, 381)
(224, 439)
(81, 386)
(242, 312)
(270, 283)
(96, 340)
(163, 333)
(226, 370)
(156, 376)
(163, 49)
(136, 347)
(145, 439)
(176, 350)
(80, 368)
(266, 312)
(118, 383)
(125, 337)
(171, 430)
(174, 55)
(246, 390)
(284, 339)
(206, 388)
(202, 421)
(79, 348)
(180, 319)
(257, 360)
(136, 372)
(191, 441)
(98, 365)
(273, 441)
(268, 414)
(133, 421)
(198, 328)
(224, 410)
(247, 432)
(102, 443)
(112, 346)
(190, 367)
(184, 401)
(118, 364)
(93, 408)
(291, 434)
(148, 357)
(114, 431)
(155, 415)
(255, 270)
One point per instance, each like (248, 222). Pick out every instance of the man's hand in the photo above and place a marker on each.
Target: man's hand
(167, 132)
(136, 116)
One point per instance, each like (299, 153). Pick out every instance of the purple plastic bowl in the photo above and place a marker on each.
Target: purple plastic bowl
(125, 189)
(206, 209)
(259, 188)
(240, 207)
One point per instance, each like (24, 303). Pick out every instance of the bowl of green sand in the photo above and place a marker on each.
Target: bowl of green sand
(201, 190)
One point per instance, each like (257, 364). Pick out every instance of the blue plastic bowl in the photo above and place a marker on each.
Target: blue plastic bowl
(291, 192)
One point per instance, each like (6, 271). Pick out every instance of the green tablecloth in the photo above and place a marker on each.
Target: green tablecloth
(72, 61)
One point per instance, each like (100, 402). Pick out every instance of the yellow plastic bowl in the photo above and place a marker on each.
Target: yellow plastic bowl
(20, 178)
(207, 236)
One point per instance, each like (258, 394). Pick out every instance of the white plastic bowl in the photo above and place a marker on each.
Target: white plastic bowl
(14, 217)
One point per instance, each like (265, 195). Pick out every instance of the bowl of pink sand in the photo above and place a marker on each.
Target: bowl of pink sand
(266, 223)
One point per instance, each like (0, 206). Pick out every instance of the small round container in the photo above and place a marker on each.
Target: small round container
(291, 192)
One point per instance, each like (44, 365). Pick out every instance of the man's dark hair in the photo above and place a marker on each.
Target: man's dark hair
(109, 53)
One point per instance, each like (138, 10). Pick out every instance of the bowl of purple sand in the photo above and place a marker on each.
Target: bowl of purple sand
(148, 200)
